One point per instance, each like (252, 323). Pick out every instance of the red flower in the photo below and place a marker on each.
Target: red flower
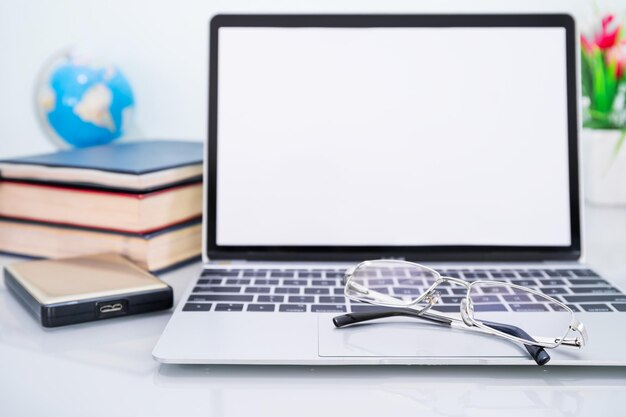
(587, 46)
(607, 38)
(617, 54)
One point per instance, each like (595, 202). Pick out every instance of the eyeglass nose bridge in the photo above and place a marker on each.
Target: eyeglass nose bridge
(431, 298)
(467, 312)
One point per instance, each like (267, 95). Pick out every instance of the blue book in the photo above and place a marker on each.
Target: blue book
(139, 166)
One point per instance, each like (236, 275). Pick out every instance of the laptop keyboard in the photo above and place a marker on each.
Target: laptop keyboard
(321, 290)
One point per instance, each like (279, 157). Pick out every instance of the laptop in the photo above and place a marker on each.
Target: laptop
(447, 140)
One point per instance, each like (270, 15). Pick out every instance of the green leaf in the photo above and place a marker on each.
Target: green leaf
(600, 120)
(619, 144)
(611, 83)
(599, 101)
(586, 75)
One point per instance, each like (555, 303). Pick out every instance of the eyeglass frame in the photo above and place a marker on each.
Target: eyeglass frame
(466, 306)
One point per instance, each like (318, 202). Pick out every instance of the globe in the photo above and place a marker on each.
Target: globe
(81, 102)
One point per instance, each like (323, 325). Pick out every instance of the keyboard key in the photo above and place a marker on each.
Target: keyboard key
(298, 282)
(517, 298)
(407, 291)
(319, 282)
(196, 307)
(553, 290)
(221, 297)
(454, 300)
(282, 274)
(229, 307)
(217, 289)
(238, 281)
(595, 290)
(552, 282)
(328, 308)
(333, 300)
(301, 299)
(335, 275)
(459, 291)
(286, 290)
(596, 308)
(340, 291)
(220, 273)
(211, 281)
(609, 298)
(309, 274)
(495, 290)
(584, 273)
(270, 298)
(585, 281)
(260, 307)
(541, 299)
(254, 274)
(403, 281)
(292, 308)
(500, 275)
(383, 290)
(257, 290)
(316, 291)
(619, 306)
(528, 307)
(557, 307)
(489, 307)
(265, 282)
(485, 298)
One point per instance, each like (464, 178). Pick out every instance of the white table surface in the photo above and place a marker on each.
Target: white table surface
(106, 369)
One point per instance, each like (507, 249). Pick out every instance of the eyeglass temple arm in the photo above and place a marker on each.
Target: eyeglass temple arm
(352, 318)
(538, 353)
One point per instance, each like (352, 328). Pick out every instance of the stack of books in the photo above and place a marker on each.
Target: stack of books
(139, 199)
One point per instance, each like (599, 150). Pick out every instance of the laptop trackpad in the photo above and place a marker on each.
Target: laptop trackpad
(397, 337)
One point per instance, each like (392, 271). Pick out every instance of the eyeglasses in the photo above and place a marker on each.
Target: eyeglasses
(423, 293)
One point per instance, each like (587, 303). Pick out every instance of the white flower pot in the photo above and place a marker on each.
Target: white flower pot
(604, 172)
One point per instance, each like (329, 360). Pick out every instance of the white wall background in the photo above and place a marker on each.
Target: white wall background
(162, 47)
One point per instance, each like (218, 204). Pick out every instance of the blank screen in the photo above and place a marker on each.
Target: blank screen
(392, 137)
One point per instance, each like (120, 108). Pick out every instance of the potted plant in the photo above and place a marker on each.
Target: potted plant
(603, 71)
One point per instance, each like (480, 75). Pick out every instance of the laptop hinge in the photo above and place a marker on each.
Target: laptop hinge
(228, 261)
(565, 261)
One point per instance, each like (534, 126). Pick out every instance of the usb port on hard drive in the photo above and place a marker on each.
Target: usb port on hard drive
(111, 308)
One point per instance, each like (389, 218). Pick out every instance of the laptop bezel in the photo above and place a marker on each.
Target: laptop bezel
(422, 253)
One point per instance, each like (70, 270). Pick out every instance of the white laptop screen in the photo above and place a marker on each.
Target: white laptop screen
(392, 137)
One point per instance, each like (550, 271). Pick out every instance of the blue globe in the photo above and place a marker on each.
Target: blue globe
(82, 103)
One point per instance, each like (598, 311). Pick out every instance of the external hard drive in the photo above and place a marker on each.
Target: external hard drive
(86, 288)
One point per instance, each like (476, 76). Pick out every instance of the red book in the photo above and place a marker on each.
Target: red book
(101, 209)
